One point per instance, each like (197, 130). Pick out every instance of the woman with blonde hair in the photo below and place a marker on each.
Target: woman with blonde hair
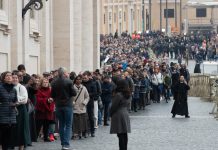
(44, 108)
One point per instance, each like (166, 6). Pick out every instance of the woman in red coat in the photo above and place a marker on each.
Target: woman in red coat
(44, 108)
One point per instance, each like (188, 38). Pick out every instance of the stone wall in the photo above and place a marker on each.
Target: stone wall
(205, 86)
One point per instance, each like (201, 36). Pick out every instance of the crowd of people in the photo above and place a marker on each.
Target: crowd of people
(135, 73)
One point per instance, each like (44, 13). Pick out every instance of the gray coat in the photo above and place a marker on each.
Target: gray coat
(120, 122)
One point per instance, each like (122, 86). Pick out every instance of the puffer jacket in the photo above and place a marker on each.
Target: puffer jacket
(8, 98)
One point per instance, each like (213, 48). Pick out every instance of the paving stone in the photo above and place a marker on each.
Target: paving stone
(154, 129)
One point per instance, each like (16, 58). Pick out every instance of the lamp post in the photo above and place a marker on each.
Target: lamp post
(36, 4)
(160, 15)
(176, 13)
(180, 16)
(166, 17)
(149, 15)
(143, 15)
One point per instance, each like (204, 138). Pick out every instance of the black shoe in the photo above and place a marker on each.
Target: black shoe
(135, 110)
(47, 140)
(173, 116)
(158, 102)
(92, 134)
(106, 124)
(187, 116)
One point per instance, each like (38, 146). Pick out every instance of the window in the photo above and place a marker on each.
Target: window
(104, 19)
(124, 17)
(201, 12)
(170, 13)
(1, 4)
(115, 17)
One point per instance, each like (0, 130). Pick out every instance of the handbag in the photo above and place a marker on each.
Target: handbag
(30, 107)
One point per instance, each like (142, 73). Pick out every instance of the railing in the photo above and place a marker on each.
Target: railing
(202, 21)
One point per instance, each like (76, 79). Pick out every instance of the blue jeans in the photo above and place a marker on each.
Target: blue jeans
(65, 117)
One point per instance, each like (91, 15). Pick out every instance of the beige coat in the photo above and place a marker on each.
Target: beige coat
(79, 105)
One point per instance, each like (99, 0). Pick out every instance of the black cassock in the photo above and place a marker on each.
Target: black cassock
(180, 106)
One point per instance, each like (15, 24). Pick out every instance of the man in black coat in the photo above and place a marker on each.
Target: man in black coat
(107, 89)
(180, 106)
(91, 86)
(62, 92)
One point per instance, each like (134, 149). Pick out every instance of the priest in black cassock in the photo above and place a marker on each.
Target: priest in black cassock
(180, 106)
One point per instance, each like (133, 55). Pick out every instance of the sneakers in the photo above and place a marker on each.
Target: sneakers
(51, 137)
(65, 148)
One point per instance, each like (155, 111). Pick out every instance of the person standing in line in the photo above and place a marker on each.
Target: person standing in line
(62, 91)
(107, 90)
(8, 100)
(32, 90)
(44, 108)
(120, 121)
(97, 79)
(26, 76)
(80, 101)
(180, 106)
(91, 86)
(22, 136)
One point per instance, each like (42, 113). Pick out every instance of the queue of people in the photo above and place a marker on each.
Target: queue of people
(137, 73)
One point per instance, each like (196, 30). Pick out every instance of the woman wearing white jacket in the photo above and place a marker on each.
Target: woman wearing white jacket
(157, 85)
(22, 136)
(80, 124)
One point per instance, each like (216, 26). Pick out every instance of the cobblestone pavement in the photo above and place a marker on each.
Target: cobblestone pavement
(154, 129)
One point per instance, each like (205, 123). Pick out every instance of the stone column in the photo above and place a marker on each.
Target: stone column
(130, 16)
(96, 34)
(46, 48)
(87, 35)
(16, 34)
(61, 33)
(77, 19)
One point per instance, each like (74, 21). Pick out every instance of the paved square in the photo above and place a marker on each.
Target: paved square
(154, 129)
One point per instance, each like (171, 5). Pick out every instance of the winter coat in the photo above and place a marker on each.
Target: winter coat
(91, 87)
(62, 92)
(8, 98)
(107, 89)
(44, 110)
(80, 100)
(145, 85)
(136, 88)
(120, 121)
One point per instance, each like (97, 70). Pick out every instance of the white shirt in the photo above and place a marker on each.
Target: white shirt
(22, 95)
(159, 77)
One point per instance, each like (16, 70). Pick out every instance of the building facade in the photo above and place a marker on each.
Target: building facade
(121, 15)
(133, 15)
(63, 33)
